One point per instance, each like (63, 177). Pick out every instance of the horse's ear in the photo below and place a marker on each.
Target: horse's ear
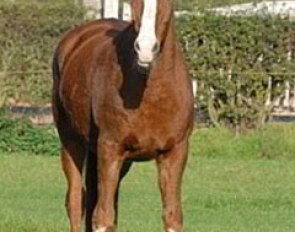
(165, 17)
(137, 11)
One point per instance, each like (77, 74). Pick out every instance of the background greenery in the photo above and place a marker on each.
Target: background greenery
(28, 35)
(224, 55)
(20, 135)
(202, 4)
(272, 141)
(232, 57)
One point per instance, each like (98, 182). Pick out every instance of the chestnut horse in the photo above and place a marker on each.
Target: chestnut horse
(122, 94)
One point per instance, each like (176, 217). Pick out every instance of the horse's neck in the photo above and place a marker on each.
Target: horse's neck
(134, 83)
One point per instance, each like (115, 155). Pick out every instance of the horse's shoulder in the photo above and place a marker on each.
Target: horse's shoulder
(74, 39)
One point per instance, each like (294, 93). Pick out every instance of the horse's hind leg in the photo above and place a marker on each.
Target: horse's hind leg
(91, 189)
(72, 164)
(171, 167)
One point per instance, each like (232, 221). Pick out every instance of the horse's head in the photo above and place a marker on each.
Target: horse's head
(151, 20)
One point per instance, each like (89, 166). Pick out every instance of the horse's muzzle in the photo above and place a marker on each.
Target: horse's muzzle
(144, 68)
(147, 53)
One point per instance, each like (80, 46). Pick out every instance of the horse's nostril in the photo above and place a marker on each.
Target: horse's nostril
(136, 46)
(156, 48)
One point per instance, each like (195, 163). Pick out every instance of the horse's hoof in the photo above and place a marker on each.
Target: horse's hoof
(105, 229)
(102, 229)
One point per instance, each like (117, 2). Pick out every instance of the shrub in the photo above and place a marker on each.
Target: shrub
(207, 4)
(20, 135)
(28, 34)
(233, 58)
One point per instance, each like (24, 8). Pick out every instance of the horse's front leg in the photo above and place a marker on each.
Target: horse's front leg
(170, 168)
(110, 162)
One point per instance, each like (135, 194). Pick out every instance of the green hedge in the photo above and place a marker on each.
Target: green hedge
(274, 141)
(206, 4)
(28, 35)
(232, 58)
(22, 136)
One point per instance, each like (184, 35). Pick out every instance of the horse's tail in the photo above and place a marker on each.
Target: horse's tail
(57, 108)
(55, 66)
(90, 173)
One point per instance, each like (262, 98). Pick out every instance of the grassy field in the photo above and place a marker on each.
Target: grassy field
(225, 194)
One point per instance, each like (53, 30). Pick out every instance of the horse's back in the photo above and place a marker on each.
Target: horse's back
(75, 38)
(72, 65)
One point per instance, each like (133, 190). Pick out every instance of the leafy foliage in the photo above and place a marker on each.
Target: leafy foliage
(22, 136)
(273, 141)
(206, 4)
(233, 58)
(28, 34)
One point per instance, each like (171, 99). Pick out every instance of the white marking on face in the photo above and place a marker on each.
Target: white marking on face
(101, 229)
(147, 39)
(171, 230)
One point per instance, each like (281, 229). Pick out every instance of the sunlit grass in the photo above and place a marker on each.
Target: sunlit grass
(221, 194)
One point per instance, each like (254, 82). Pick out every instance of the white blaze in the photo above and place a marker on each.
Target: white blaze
(147, 33)
(102, 229)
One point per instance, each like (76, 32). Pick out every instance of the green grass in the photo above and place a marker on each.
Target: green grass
(272, 141)
(221, 194)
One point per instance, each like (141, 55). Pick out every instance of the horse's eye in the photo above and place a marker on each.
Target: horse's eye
(156, 48)
(136, 46)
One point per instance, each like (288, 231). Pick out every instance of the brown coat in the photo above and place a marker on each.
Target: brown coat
(108, 108)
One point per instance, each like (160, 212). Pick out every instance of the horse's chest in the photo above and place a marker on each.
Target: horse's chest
(153, 127)
(145, 132)
(139, 146)
(148, 136)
